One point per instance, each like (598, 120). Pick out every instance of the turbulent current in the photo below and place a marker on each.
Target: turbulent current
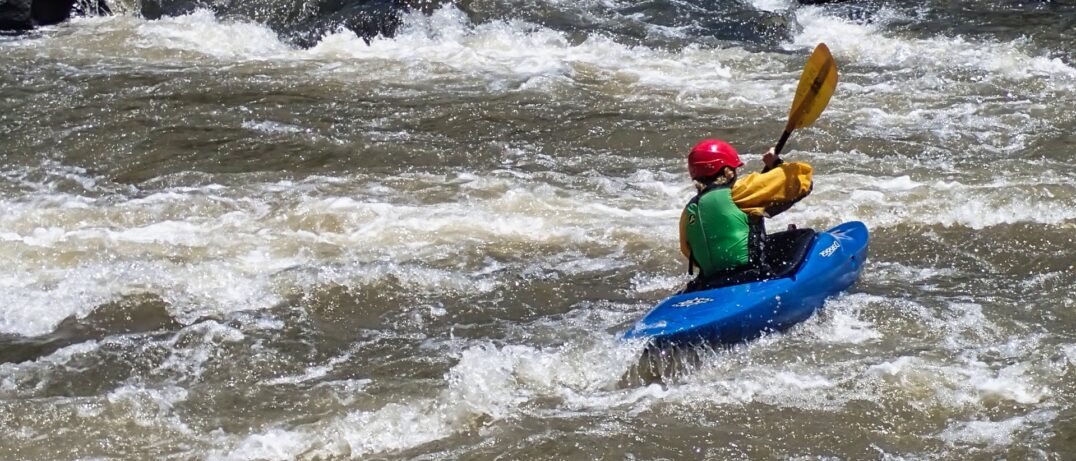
(215, 244)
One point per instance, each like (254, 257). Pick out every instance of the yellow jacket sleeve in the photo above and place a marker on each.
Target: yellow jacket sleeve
(764, 194)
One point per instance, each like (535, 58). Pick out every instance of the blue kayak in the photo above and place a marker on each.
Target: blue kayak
(806, 268)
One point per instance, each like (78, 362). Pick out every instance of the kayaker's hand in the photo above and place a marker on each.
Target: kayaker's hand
(770, 159)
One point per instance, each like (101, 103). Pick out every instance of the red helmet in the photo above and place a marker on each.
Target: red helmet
(709, 156)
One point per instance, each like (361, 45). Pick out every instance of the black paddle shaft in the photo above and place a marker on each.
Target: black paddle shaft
(781, 143)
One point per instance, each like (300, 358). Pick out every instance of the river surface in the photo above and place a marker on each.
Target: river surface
(216, 245)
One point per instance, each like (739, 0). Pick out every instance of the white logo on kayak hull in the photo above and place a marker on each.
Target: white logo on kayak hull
(692, 302)
(830, 249)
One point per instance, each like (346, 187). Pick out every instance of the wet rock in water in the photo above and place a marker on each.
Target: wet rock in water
(46, 12)
(15, 15)
(774, 28)
(21, 15)
(367, 19)
(157, 9)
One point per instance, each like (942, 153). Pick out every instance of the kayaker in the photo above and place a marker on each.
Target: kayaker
(722, 231)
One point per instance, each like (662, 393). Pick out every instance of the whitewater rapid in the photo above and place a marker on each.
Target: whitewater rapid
(428, 246)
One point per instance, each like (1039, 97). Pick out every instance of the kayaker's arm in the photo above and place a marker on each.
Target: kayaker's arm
(773, 191)
(684, 248)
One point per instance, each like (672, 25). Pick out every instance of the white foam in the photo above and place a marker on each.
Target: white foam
(957, 385)
(446, 41)
(994, 434)
(868, 43)
(272, 127)
(841, 326)
(746, 382)
(500, 55)
(271, 444)
(511, 55)
(642, 283)
(44, 297)
(165, 232)
(772, 5)
(148, 407)
(201, 32)
(991, 433)
(885, 270)
(35, 301)
(899, 183)
(884, 202)
(247, 247)
(487, 383)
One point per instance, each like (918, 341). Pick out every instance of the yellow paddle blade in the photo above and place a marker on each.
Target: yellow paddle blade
(817, 83)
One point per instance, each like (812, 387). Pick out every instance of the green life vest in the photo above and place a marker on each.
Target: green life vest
(717, 231)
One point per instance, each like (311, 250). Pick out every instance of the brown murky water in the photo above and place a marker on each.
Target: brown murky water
(218, 246)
